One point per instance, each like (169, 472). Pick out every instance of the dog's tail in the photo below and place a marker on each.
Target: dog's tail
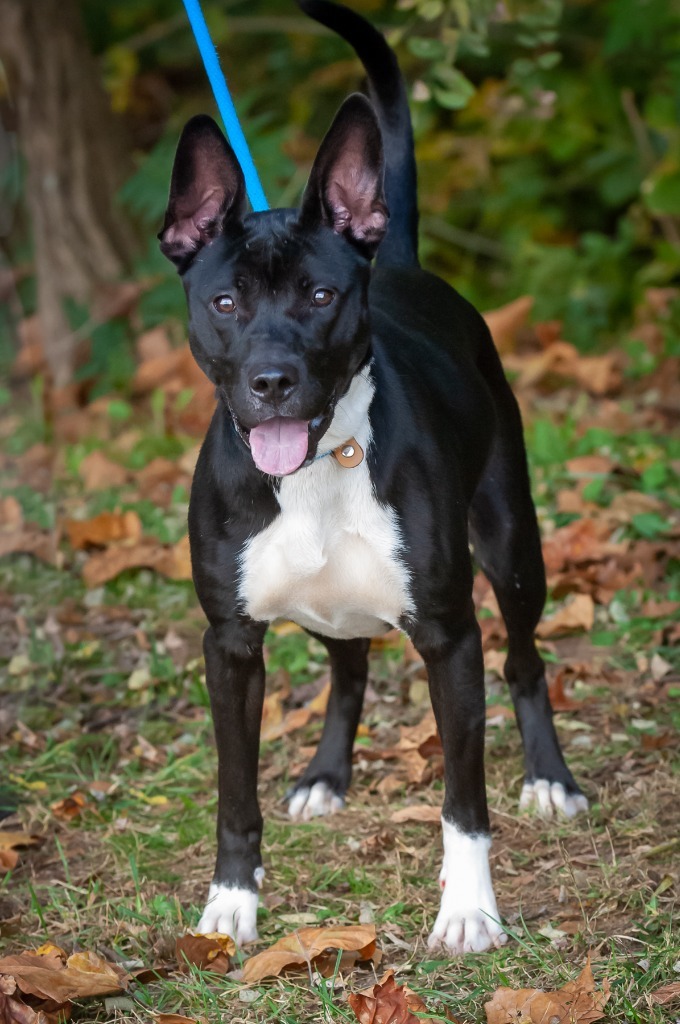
(388, 94)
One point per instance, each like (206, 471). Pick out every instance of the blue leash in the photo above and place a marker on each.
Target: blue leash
(225, 104)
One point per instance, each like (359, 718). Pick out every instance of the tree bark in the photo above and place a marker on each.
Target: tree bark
(76, 158)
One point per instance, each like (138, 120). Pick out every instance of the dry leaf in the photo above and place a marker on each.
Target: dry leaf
(98, 472)
(306, 945)
(577, 614)
(46, 976)
(173, 1018)
(419, 812)
(666, 994)
(106, 528)
(558, 698)
(70, 807)
(387, 1003)
(210, 952)
(10, 842)
(13, 1010)
(172, 561)
(575, 1003)
(506, 322)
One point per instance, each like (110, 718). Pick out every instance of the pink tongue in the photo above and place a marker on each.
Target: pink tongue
(279, 445)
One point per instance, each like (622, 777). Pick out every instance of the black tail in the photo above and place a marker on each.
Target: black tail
(388, 94)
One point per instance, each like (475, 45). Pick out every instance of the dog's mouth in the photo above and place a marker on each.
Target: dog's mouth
(282, 444)
(279, 445)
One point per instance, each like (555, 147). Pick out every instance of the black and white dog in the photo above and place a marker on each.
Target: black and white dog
(364, 435)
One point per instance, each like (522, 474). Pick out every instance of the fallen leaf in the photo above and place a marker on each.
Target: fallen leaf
(70, 807)
(387, 1003)
(46, 975)
(577, 614)
(98, 472)
(307, 945)
(173, 1018)
(419, 812)
(210, 952)
(172, 561)
(558, 698)
(10, 843)
(13, 1010)
(576, 1003)
(666, 994)
(104, 529)
(506, 322)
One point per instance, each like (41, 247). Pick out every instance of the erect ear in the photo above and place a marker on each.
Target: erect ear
(345, 188)
(206, 189)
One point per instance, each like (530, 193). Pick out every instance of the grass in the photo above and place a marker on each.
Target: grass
(105, 698)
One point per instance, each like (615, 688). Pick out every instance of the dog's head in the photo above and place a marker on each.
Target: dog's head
(278, 311)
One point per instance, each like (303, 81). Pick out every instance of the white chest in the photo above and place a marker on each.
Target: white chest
(331, 560)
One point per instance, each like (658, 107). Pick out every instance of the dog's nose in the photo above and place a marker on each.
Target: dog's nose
(274, 384)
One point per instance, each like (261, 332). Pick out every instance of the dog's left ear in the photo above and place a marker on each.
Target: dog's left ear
(345, 188)
(207, 191)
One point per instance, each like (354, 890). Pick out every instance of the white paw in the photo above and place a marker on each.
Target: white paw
(230, 911)
(307, 803)
(468, 920)
(550, 798)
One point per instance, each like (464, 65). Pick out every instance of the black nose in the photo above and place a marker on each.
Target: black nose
(274, 384)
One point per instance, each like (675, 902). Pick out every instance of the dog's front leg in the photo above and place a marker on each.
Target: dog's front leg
(235, 679)
(468, 919)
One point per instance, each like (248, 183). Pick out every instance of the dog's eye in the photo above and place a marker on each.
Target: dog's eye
(224, 304)
(322, 297)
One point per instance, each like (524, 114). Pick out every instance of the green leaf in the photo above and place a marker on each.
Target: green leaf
(650, 525)
(426, 49)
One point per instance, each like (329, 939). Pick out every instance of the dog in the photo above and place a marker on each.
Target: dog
(364, 437)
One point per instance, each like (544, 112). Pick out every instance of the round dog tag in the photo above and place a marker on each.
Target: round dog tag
(349, 454)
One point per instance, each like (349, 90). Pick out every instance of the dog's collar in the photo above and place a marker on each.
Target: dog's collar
(348, 454)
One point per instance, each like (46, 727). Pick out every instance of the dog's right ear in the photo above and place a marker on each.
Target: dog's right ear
(207, 190)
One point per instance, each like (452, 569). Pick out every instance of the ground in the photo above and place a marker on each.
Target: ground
(108, 763)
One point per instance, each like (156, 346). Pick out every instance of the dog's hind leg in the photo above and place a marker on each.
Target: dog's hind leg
(507, 545)
(322, 788)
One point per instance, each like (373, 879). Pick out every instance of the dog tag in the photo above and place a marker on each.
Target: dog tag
(349, 454)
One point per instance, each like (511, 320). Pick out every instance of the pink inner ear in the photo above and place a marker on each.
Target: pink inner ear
(196, 216)
(352, 199)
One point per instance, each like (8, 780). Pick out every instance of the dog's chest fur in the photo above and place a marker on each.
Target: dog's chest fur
(331, 560)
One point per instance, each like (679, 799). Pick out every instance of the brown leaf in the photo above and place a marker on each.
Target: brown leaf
(558, 698)
(45, 975)
(666, 994)
(577, 543)
(210, 952)
(510, 1006)
(13, 1010)
(98, 472)
(10, 842)
(305, 945)
(173, 1018)
(419, 812)
(70, 807)
(29, 540)
(576, 1003)
(387, 1003)
(11, 515)
(583, 1003)
(173, 561)
(577, 614)
(104, 529)
(506, 322)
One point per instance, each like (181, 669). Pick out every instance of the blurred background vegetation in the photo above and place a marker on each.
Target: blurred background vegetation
(548, 144)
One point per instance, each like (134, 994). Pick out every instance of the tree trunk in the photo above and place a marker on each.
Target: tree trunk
(76, 158)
